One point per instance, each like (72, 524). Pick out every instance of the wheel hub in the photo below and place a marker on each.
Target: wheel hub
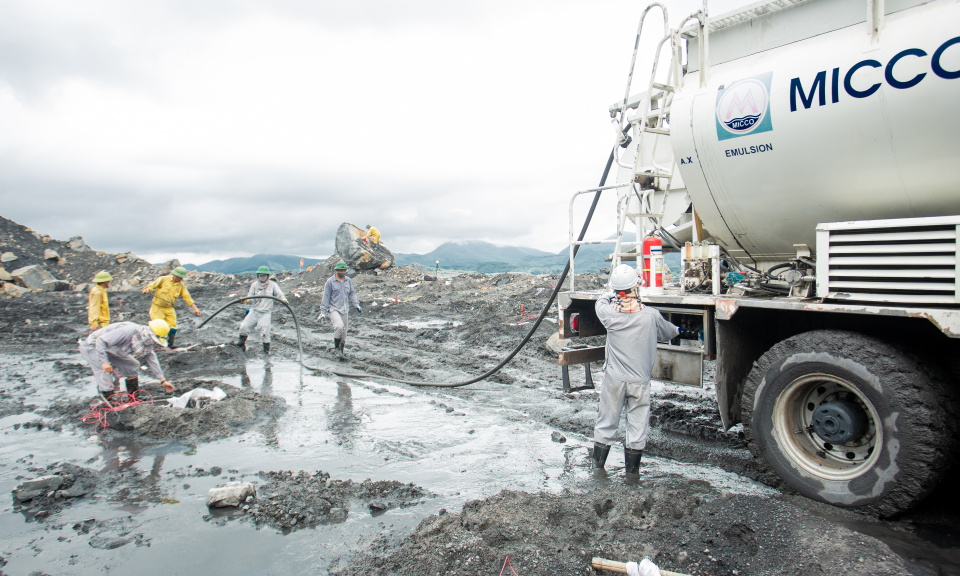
(827, 427)
(840, 421)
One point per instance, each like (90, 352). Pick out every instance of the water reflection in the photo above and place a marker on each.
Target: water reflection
(341, 419)
(271, 426)
(121, 457)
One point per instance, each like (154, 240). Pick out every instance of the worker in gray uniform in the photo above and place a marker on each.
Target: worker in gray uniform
(632, 333)
(261, 311)
(338, 294)
(118, 349)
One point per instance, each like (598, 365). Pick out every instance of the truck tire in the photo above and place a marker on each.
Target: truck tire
(891, 417)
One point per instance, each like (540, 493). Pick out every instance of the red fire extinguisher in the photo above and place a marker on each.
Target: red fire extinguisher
(652, 262)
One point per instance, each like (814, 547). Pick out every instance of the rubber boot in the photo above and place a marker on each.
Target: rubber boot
(266, 347)
(170, 336)
(631, 461)
(343, 342)
(242, 344)
(600, 452)
(133, 384)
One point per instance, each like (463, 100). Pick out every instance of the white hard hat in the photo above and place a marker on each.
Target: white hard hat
(624, 277)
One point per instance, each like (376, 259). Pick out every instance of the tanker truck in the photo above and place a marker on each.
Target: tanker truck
(803, 158)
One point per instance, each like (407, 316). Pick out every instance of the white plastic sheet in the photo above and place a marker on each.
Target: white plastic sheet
(195, 395)
(644, 568)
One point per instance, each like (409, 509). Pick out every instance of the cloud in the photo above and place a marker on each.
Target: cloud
(240, 127)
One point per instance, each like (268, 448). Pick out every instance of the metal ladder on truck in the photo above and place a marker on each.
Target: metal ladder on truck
(635, 198)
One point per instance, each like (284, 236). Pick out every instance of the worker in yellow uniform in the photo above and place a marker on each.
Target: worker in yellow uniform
(372, 235)
(98, 309)
(167, 289)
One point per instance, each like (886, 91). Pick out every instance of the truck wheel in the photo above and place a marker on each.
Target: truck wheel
(849, 420)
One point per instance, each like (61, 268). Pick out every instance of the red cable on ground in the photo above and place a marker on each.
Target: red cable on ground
(117, 402)
(506, 561)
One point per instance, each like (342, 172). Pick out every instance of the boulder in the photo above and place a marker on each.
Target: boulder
(82, 287)
(55, 286)
(7, 257)
(230, 494)
(30, 489)
(77, 243)
(49, 254)
(31, 277)
(358, 254)
(168, 266)
(5, 276)
(125, 286)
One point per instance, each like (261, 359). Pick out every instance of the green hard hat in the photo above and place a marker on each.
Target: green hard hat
(263, 270)
(102, 276)
(180, 271)
(368, 226)
(341, 265)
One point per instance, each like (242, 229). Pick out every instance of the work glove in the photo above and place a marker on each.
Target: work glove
(321, 318)
(359, 311)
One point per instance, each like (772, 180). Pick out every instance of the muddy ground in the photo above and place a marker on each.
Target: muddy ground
(367, 476)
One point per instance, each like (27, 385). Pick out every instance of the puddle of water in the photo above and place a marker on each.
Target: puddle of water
(420, 324)
(351, 429)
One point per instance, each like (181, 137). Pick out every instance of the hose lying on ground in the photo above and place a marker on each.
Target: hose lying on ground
(488, 373)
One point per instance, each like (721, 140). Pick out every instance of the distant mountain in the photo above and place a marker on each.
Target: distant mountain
(490, 258)
(276, 263)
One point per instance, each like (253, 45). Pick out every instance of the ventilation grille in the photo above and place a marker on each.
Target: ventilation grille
(910, 260)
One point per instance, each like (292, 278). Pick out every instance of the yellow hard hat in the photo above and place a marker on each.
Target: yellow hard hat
(161, 329)
(102, 276)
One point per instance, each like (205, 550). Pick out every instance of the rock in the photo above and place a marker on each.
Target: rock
(55, 286)
(230, 494)
(7, 257)
(377, 506)
(82, 287)
(168, 266)
(13, 290)
(49, 254)
(5, 276)
(249, 500)
(360, 255)
(77, 243)
(30, 489)
(558, 437)
(554, 344)
(31, 277)
(76, 491)
(106, 543)
(429, 278)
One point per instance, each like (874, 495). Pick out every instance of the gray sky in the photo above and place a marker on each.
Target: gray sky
(221, 128)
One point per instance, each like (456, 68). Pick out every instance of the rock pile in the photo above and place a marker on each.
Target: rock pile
(294, 500)
(55, 489)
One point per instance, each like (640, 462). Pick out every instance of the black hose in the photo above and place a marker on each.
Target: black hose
(488, 373)
(741, 264)
(777, 267)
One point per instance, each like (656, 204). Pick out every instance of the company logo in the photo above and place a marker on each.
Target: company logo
(744, 107)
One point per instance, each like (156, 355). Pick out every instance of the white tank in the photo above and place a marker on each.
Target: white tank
(793, 130)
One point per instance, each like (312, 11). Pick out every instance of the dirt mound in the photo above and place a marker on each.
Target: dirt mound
(239, 411)
(291, 500)
(222, 359)
(687, 527)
